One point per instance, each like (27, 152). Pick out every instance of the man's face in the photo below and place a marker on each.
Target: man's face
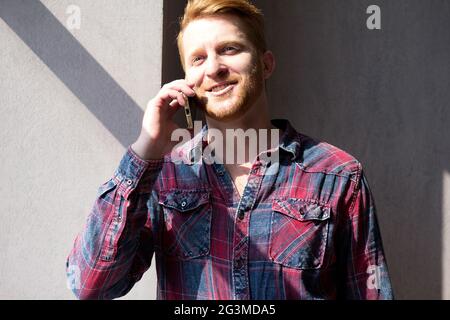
(223, 65)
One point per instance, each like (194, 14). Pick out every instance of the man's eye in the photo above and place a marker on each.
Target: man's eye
(196, 59)
(228, 49)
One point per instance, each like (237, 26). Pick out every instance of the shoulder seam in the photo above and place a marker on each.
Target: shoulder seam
(356, 188)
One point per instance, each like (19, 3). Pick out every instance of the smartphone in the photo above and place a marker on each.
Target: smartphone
(188, 113)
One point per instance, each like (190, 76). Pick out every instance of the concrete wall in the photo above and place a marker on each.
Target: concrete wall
(382, 95)
(71, 101)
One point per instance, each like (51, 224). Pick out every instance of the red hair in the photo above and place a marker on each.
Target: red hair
(251, 16)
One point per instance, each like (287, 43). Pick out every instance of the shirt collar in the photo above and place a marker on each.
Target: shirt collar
(290, 139)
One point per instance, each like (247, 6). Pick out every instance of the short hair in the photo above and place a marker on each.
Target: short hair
(250, 15)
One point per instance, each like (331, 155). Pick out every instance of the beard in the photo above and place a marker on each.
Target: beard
(235, 103)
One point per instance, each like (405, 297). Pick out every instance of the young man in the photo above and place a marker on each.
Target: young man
(302, 226)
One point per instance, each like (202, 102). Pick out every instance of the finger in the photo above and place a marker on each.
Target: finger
(181, 85)
(174, 104)
(181, 98)
(169, 94)
(189, 91)
(190, 84)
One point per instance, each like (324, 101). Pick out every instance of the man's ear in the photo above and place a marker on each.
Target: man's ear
(268, 60)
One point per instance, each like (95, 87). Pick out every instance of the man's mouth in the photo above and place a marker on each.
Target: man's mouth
(221, 88)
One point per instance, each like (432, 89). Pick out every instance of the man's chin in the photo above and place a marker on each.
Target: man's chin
(222, 118)
(225, 113)
(227, 109)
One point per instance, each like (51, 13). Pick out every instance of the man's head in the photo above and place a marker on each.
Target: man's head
(250, 16)
(221, 42)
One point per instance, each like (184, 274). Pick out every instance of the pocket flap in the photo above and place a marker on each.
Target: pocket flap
(300, 209)
(184, 200)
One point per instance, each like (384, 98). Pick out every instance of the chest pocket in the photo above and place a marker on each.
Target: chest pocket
(299, 233)
(187, 222)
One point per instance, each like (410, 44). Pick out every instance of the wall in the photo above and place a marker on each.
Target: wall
(71, 101)
(381, 95)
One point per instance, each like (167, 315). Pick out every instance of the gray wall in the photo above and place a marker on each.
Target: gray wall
(71, 101)
(382, 95)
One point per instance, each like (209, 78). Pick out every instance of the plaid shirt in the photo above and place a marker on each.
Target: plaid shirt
(307, 232)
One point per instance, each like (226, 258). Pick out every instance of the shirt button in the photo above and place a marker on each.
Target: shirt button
(129, 182)
(183, 204)
(241, 214)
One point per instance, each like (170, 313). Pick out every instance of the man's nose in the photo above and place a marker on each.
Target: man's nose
(215, 67)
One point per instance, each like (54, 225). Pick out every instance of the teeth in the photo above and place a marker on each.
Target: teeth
(219, 88)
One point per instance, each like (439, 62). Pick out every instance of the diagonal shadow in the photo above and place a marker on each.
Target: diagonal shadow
(74, 66)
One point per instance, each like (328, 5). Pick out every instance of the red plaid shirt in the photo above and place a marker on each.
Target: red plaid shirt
(307, 232)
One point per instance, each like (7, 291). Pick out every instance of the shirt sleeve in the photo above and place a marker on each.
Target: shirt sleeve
(115, 247)
(362, 271)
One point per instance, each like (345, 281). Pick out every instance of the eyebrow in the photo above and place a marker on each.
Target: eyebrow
(237, 43)
(221, 44)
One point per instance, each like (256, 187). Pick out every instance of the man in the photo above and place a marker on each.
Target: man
(302, 226)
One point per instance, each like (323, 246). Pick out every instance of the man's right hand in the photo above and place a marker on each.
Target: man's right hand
(157, 126)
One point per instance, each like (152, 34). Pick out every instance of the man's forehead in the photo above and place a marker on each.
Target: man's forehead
(214, 29)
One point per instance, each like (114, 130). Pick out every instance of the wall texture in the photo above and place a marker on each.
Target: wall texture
(72, 100)
(382, 95)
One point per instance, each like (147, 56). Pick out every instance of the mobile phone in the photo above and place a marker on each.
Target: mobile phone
(188, 113)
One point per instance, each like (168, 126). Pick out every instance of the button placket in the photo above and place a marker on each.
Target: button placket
(241, 236)
(241, 214)
(240, 247)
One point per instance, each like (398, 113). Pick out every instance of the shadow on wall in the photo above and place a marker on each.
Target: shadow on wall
(75, 67)
(382, 95)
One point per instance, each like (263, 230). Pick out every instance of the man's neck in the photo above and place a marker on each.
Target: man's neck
(256, 118)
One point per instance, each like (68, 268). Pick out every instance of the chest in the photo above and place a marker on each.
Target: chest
(239, 175)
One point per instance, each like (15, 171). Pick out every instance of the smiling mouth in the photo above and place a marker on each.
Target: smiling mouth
(222, 89)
